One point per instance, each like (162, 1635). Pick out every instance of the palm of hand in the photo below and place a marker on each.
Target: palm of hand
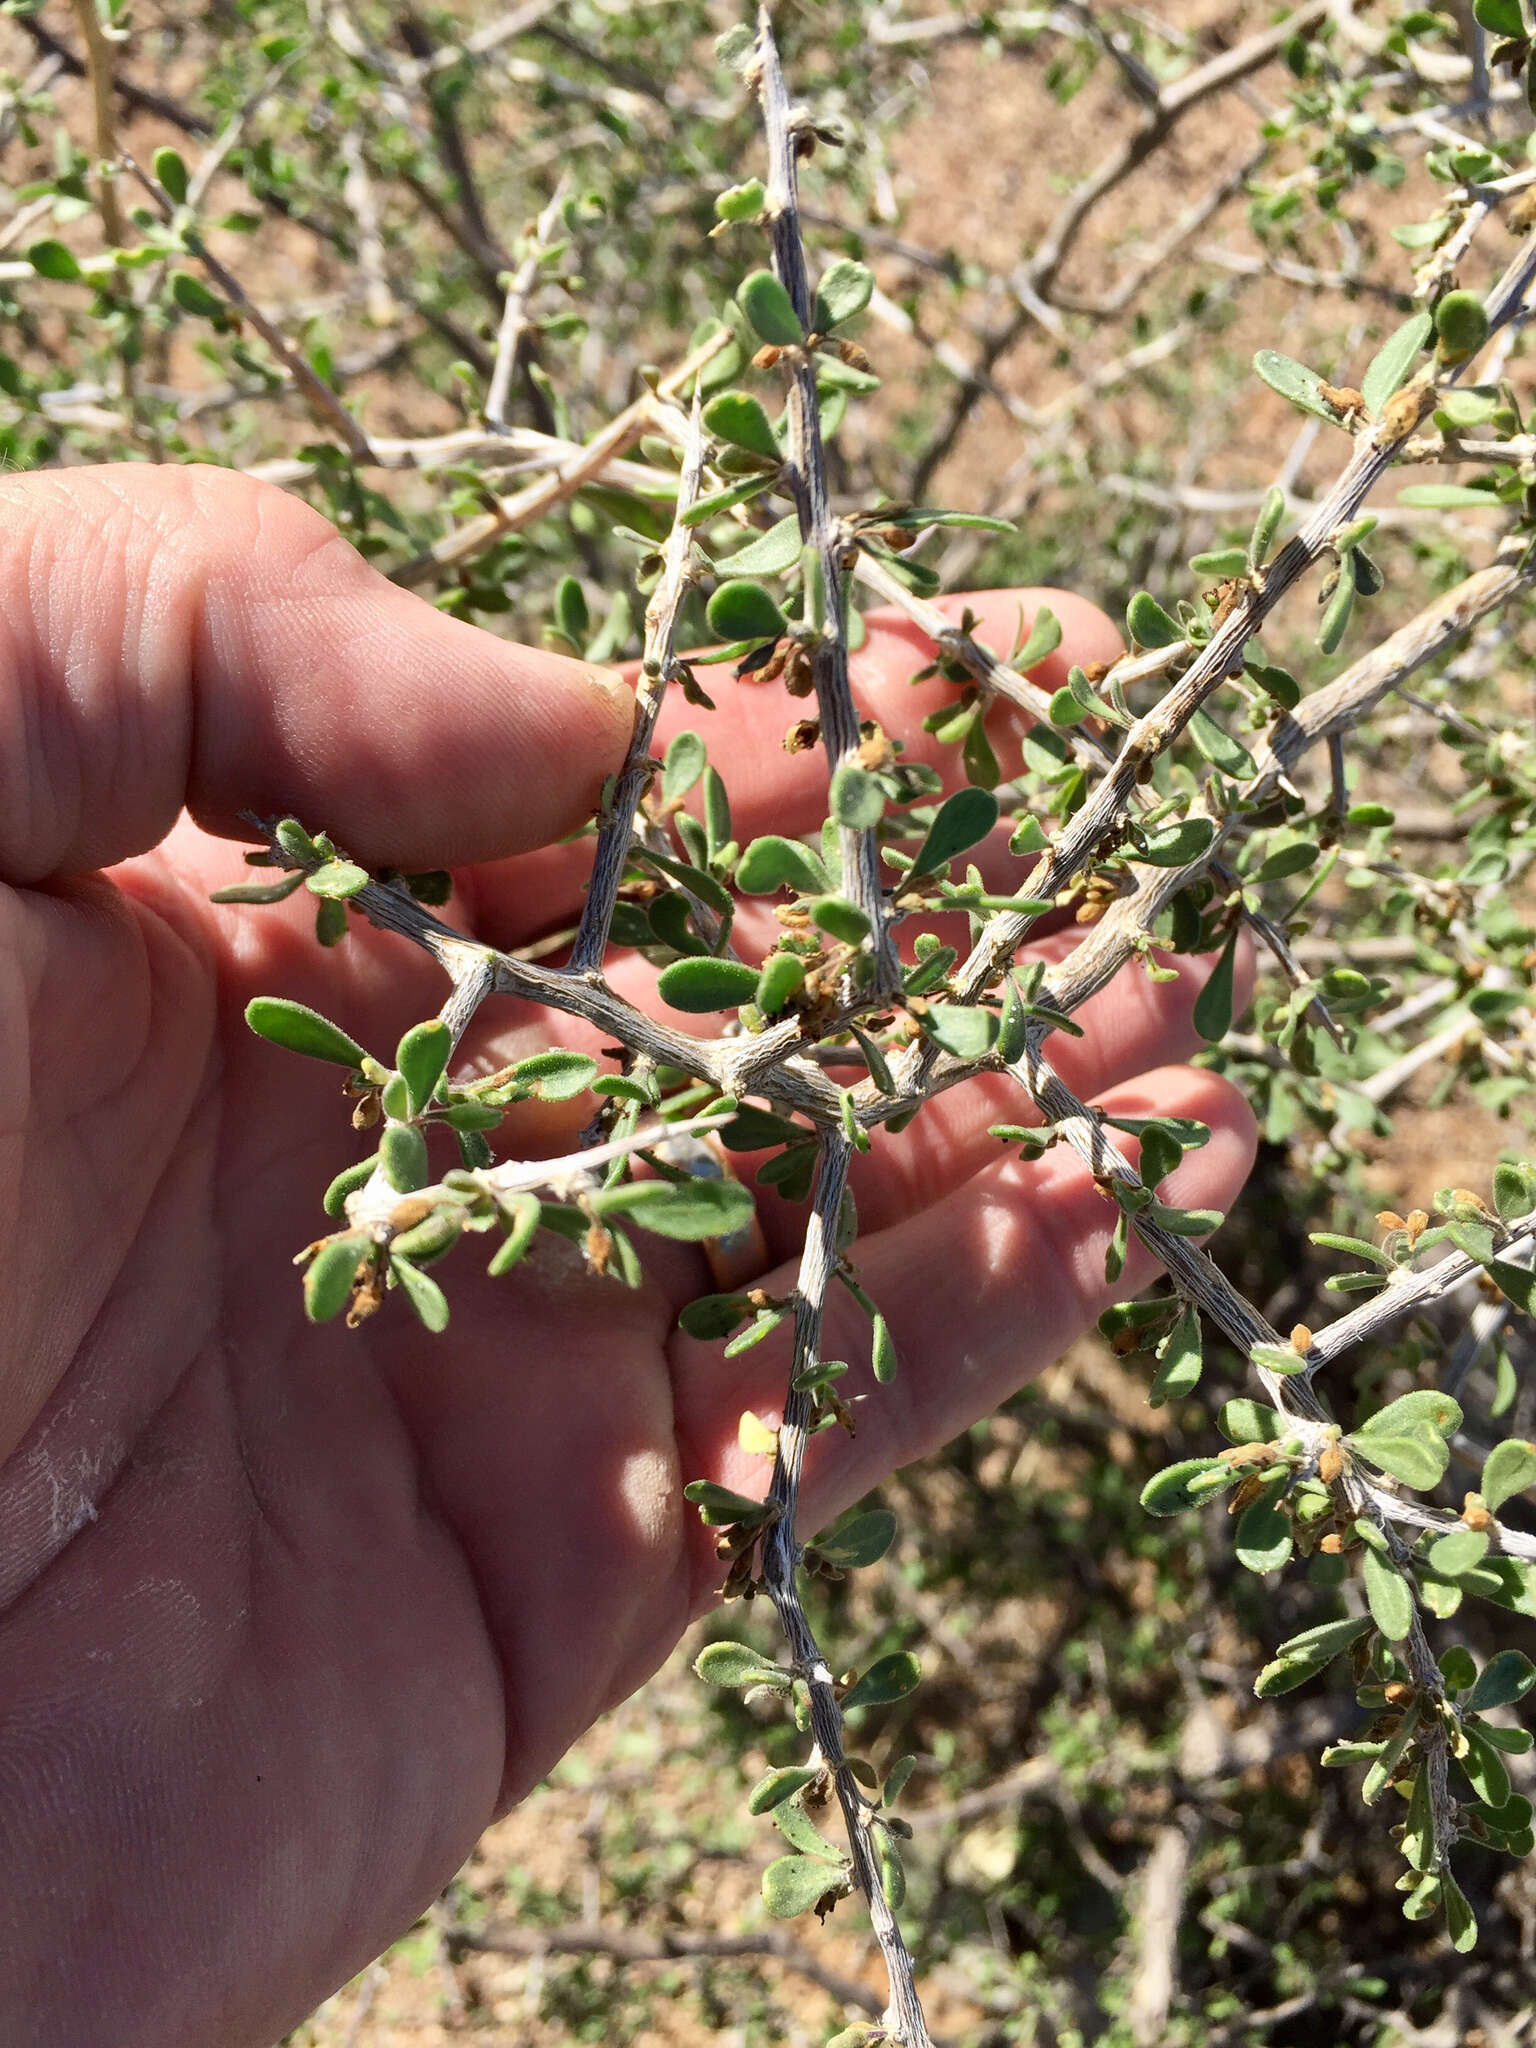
(286, 1613)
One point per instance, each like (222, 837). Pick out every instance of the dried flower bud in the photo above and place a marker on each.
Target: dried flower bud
(1330, 1465)
(1301, 1339)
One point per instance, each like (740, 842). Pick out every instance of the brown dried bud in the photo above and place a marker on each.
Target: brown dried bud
(799, 677)
(1399, 1693)
(1331, 1544)
(1474, 1512)
(1417, 1222)
(413, 1210)
(802, 735)
(1388, 1219)
(1248, 1454)
(766, 356)
(1301, 1339)
(1342, 397)
(1330, 1465)
(1400, 414)
(366, 1113)
(850, 353)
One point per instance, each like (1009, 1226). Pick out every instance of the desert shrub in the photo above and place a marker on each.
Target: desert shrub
(525, 308)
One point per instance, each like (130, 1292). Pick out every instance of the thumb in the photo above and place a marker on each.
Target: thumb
(187, 636)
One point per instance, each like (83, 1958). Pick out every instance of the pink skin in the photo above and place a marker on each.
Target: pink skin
(286, 1615)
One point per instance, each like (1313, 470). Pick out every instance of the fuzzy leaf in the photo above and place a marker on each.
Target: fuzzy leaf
(1174, 846)
(1307, 1654)
(422, 1056)
(769, 308)
(887, 1679)
(329, 1276)
(1185, 1485)
(403, 1156)
(1390, 1597)
(1510, 1468)
(1389, 368)
(794, 1884)
(1212, 1014)
(846, 288)
(703, 984)
(864, 1540)
(856, 798)
(770, 554)
(962, 820)
(297, 1028)
(780, 1785)
(683, 766)
(691, 1211)
(737, 1664)
(773, 863)
(737, 417)
(1294, 381)
(1148, 624)
(743, 610)
(967, 1033)
(1263, 1538)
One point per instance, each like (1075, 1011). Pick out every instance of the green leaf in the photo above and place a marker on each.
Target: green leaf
(329, 1277)
(258, 892)
(337, 880)
(1303, 1656)
(770, 310)
(691, 1210)
(403, 1156)
(1510, 1468)
(423, 1293)
(782, 977)
(719, 1507)
(1220, 562)
(846, 288)
(170, 168)
(738, 1664)
(1220, 748)
(422, 1057)
(1500, 17)
(1463, 1550)
(521, 1215)
(1461, 322)
(1486, 1770)
(1418, 1459)
(780, 1785)
(968, 1033)
(1182, 1357)
(1294, 381)
(703, 984)
(1249, 1422)
(53, 259)
(773, 863)
(1185, 1485)
(842, 919)
(299, 1029)
(794, 1884)
(737, 417)
(193, 296)
(962, 821)
(1176, 845)
(570, 611)
(743, 610)
(856, 798)
(1266, 526)
(741, 202)
(770, 554)
(1044, 638)
(1390, 1597)
(347, 1182)
(882, 1352)
(1460, 1920)
(1427, 1408)
(1504, 1679)
(1389, 368)
(1148, 624)
(1263, 1538)
(556, 1074)
(1212, 1013)
(1514, 1188)
(683, 766)
(887, 1679)
(862, 1541)
(1445, 497)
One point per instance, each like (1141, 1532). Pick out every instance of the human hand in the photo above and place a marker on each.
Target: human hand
(286, 1614)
